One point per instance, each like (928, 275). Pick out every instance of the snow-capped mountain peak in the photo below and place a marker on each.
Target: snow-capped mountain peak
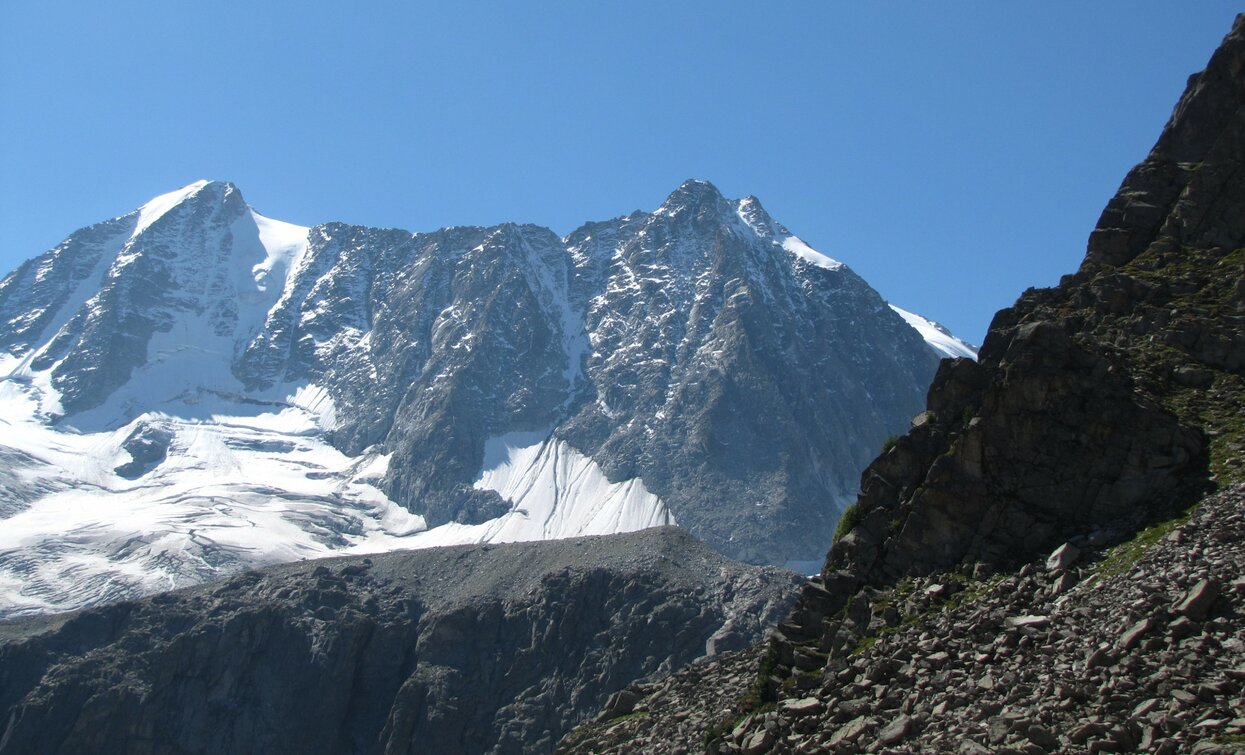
(194, 388)
(691, 195)
(157, 207)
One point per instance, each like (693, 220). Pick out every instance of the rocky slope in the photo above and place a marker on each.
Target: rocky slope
(1099, 408)
(1075, 653)
(464, 649)
(194, 371)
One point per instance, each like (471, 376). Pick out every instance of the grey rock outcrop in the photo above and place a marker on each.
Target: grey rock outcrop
(1079, 419)
(467, 649)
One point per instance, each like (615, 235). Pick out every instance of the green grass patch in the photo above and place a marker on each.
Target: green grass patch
(851, 517)
(866, 642)
(1121, 558)
(625, 717)
(755, 700)
(593, 727)
(718, 731)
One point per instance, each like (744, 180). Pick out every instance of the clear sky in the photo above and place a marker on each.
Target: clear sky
(953, 153)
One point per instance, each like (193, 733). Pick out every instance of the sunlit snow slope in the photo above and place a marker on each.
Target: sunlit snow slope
(939, 338)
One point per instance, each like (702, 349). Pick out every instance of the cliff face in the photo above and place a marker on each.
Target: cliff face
(1098, 405)
(466, 649)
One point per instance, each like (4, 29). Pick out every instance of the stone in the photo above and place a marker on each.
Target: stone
(1042, 737)
(849, 731)
(1181, 627)
(1063, 583)
(1103, 745)
(1129, 639)
(1098, 658)
(895, 731)
(620, 703)
(1063, 557)
(998, 728)
(1027, 620)
(1084, 732)
(1198, 601)
(805, 706)
(1193, 377)
(759, 743)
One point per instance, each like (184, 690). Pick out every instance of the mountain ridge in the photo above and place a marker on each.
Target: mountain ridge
(493, 648)
(697, 364)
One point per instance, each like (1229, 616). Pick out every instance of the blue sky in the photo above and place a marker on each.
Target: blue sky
(952, 153)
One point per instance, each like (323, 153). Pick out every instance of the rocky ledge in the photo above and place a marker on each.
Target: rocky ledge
(467, 649)
(1136, 647)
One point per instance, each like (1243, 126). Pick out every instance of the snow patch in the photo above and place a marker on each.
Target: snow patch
(156, 208)
(555, 491)
(796, 246)
(250, 483)
(285, 243)
(939, 338)
(316, 401)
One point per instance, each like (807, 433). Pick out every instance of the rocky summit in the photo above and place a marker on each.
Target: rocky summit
(1050, 559)
(469, 649)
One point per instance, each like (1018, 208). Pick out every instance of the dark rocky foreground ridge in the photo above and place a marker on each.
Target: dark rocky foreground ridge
(1093, 656)
(467, 649)
(1099, 411)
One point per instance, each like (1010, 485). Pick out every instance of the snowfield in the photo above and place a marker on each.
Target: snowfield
(236, 490)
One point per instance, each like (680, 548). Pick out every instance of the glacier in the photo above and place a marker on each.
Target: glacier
(237, 491)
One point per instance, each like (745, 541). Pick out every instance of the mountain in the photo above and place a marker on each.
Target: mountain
(194, 388)
(1050, 560)
(467, 649)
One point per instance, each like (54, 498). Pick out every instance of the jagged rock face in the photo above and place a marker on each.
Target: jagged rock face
(1097, 406)
(683, 347)
(1091, 399)
(436, 342)
(700, 352)
(694, 323)
(465, 649)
